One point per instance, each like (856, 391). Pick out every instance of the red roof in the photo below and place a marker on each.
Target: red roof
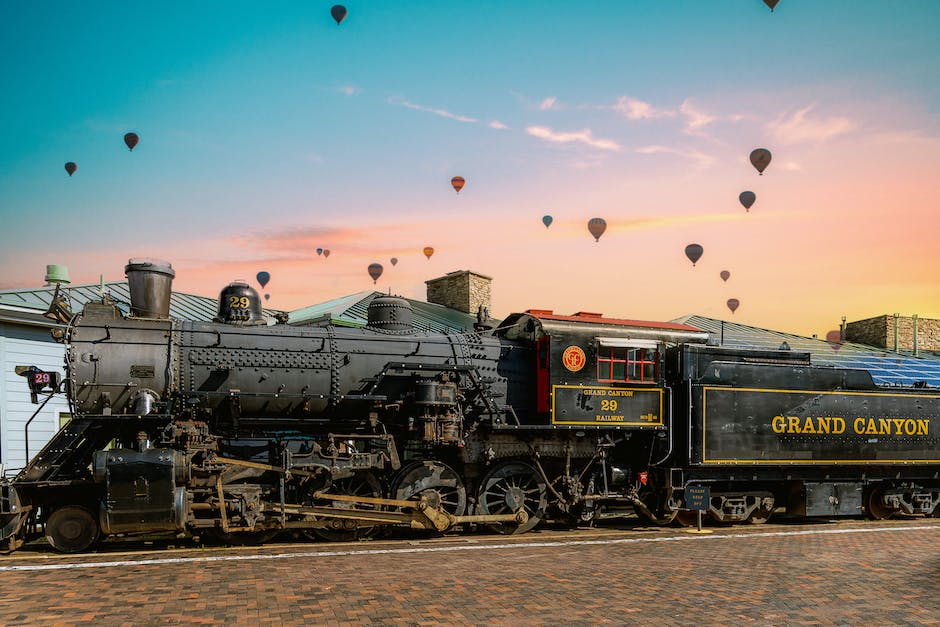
(596, 318)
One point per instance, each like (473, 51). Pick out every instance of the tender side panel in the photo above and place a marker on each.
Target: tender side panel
(757, 426)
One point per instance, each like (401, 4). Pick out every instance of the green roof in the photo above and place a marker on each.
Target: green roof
(182, 306)
(353, 310)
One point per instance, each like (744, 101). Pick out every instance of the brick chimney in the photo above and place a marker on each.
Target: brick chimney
(463, 290)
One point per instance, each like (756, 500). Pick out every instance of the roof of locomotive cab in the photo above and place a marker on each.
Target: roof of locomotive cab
(596, 318)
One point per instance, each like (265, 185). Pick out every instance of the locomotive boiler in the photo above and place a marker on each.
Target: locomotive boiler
(241, 429)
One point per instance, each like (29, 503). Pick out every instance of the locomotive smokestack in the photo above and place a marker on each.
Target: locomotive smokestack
(150, 282)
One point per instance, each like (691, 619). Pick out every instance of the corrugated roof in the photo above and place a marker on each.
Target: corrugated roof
(353, 310)
(886, 367)
(182, 306)
(596, 318)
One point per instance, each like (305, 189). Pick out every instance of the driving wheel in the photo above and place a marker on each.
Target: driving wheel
(509, 487)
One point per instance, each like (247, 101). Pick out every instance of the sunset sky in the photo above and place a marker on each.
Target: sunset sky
(267, 131)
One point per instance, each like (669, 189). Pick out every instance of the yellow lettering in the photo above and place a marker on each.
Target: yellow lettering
(838, 424)
(778, 424)
(897, 425)
(884, 426)
(859, 425)
(808, 426)
(824, 424)
(922, 425)
(870, 429)
(793, 424)
(910, 427)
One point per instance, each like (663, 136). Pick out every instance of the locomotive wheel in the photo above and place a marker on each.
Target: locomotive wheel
(759, 516)
(435, 481)
(360, 484)
(72, 529)
(509, 486)
(875, 506)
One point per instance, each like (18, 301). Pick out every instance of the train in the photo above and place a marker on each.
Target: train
(240, 429)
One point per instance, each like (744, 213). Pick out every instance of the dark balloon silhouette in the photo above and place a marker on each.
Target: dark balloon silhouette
(694, 253)
(267, 297)
(394, 261)
(428, 251)
(70, 167)
(326, 253)
(733, 304)
(771, 4)
(319, 252)
(547, 221)
(725, 275)
(375, 271)
(263, 278)
(131, 140)
(458, 182)
(597, 226)
(760, 159)
(835, 339)
(338, 12)
(747, 199)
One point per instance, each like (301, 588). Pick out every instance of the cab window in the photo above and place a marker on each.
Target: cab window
(620, 363)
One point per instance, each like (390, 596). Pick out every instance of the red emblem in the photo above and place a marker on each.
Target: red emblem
(573, 358)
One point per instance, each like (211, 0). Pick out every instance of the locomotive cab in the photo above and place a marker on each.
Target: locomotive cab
(596, 371)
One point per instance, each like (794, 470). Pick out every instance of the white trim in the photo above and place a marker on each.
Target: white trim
(626, 342)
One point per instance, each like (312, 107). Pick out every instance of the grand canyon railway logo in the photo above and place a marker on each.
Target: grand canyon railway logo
(573, 358)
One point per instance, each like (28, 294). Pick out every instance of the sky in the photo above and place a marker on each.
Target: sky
(268, 131)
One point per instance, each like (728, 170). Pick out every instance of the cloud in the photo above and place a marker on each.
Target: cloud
(695, 120)
(584, 136)
(497, 125)
(441, 112)
(801, 127)
(349, 90)
(549, 104)
(634, 109)
(687, 153)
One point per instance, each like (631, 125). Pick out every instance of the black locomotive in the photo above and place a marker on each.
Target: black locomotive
(241, 429)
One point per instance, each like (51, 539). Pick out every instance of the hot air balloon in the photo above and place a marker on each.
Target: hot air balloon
(458, 183)
(760, 159)
(597, 226)
(725, 275)
(428, 251)
(263, 278)
(375, 271)
(771, 4)
(70, 167)
(733, 304)
(747, 199)
(694, 253)
(547, 221)
(267, 297)
(394, 261)
(319, 252)
(326, 252)
(131, 140)
(338, 12)
(835, 339)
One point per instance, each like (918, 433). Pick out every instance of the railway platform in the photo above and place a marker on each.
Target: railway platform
(835, 573)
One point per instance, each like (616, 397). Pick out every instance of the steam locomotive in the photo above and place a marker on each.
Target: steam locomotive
(241, 429)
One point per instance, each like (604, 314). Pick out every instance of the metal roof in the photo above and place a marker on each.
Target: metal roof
(182, 306)
(886, 367)
(353, 310)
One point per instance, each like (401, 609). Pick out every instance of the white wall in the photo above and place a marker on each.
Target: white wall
(26, 346)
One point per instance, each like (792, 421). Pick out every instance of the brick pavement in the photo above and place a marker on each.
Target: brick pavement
(853, 573)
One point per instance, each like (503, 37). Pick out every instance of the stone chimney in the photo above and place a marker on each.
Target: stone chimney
(462, 290)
